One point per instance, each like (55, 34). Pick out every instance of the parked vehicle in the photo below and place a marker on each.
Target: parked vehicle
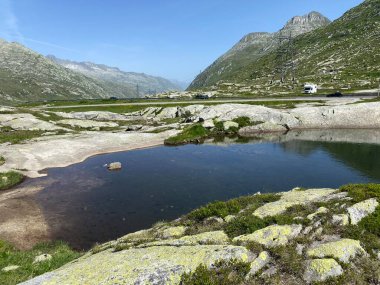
(336, 94)
(310, 88)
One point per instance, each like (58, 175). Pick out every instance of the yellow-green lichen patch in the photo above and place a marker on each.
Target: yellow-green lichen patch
(360, 210)
(158, 265)
(271, 236)
(292, 198)
(216, 237)
(259, 263)
(343, 250)
(172, 232)
(318, 270)
(321, 210)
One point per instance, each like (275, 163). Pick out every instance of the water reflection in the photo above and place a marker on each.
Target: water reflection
(87, 204)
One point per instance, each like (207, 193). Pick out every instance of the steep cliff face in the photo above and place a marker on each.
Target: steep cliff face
(253, 46)
(27, 76)
(117, 82)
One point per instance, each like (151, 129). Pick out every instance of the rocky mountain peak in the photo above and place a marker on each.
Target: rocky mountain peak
(306, 23)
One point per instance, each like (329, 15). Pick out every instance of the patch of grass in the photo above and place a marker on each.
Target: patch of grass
(2, 160)
(16, 136)
(60, 252)
(10, 179)
(243, 122)
(231, 207)
(224, 273)
(360, 192)
(194, 133)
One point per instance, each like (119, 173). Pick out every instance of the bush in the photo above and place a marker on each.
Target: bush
(195, 133)
(10, 179)
(2, 160)
(243, 121)
(360, 192)
(224, 273)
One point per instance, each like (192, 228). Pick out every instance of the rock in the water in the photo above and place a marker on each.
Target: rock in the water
(153, 265)
(114, 166)
(42, 258)
(272, 236)
(10, 268)
(321, 269)
(259, 263)
(292, 198)
(361, 210)
(229, 124)
(343, 250)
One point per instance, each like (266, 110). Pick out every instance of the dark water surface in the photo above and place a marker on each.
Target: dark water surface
(85, 203)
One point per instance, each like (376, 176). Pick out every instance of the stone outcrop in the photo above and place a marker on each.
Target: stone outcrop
(319, 270)
(360, 210)
(153, 265)
(292, 198)
(26, 122)
(87, 124)
(272, 236)
(343, 250)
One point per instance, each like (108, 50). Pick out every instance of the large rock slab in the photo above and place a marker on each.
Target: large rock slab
(87, 124)
(343, 250)
(93, 115)
(361, 210)
(272, 236)
(26, 122)
(318, 270)
(153, 265)
(292, 198)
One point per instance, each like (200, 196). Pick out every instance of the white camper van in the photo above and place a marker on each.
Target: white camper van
(310, 88)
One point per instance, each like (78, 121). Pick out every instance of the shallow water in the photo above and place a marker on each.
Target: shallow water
(85, 203)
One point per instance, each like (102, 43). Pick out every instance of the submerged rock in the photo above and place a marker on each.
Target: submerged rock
(361, 210)
(272, 236)
(343, 250)
(153, 265)
(321, 269)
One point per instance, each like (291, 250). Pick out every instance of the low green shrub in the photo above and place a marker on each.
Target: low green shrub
(10, 179)
(224, 273)
(191, 134)
(2, 160)
(360, 192)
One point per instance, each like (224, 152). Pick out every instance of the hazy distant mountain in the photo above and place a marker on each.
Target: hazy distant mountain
(28, 76)
(253, 46)
(119, 83)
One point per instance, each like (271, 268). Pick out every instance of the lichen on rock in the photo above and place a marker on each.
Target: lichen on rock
(342, 250)
(321, 269)
(292, 198)
(360, 210)
(259, 263)
(272, 236)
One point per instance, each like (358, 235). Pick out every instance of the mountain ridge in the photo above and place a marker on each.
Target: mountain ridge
(254, 45)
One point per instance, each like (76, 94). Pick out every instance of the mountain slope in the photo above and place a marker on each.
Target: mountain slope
(28, 76)
(255, 45)
(119, 83)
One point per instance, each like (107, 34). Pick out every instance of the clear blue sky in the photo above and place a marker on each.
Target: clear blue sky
(171, 38)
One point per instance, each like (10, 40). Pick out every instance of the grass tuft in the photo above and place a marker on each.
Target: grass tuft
(10, 179)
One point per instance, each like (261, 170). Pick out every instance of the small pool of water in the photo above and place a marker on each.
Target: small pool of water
(85, 203)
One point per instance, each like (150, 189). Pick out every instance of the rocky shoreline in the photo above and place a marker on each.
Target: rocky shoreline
(299, 237)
